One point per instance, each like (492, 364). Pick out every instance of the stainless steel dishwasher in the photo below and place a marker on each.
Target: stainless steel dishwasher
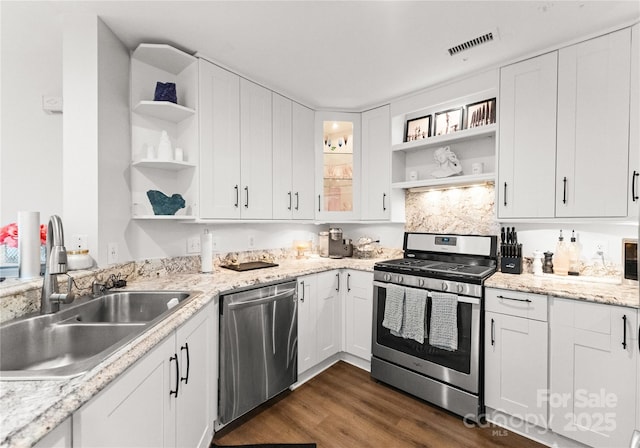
(258, 347)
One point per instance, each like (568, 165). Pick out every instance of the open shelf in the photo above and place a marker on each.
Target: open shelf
(164, 110)
(453, 181)
(163, 57)
(170, 165)
(440, 140)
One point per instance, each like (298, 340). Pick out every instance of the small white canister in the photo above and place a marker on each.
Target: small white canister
(79, 259)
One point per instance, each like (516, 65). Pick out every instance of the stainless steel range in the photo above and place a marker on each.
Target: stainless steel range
(428, 318)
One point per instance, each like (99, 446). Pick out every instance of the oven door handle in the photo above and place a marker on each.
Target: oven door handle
(462, 299)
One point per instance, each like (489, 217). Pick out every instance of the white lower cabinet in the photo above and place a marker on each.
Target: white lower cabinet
(516, 354)
(593, 372)
(319, 317)
(166, 399)
(358, 313)
(59, 437)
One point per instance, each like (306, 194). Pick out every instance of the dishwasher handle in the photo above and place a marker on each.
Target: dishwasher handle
(283, 295)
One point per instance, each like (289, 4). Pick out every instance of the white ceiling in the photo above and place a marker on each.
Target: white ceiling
(355, 54)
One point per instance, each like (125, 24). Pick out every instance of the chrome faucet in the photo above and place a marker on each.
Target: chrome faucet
(56, 263)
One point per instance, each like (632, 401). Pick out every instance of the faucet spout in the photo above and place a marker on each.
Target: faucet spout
(56, 263)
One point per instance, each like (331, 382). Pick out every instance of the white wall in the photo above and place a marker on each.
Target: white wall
(31, 139)
(114, 144)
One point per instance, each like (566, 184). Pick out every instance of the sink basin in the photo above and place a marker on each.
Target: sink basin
(128, 306)
(80, 336)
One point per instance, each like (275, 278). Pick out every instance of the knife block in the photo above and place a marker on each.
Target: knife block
(511, 265)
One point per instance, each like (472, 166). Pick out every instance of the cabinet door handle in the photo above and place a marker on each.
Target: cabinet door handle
(175, 392)
(338, 277)
(384, 201)
(297, 201)
(634, 182)
(348, 282)
(513, 298)
(493, 332)
(237, 196)
(318, 202)
(289, 208)
(302, 297)
(505, 194)
(186, 347)
(246, 190)
(624, 332)
(564, 192)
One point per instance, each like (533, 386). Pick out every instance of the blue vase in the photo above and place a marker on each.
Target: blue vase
(165, 91)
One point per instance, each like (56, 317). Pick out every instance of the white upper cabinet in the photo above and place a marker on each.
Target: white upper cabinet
(219, 104)
(634, 126)
(236, 146)
(293, 174)
(376, 164)
(593, 127)
(337, 165)
(256, 151)
(527, 140)
(303, 185)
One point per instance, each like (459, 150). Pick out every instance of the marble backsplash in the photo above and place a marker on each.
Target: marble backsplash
(468, 210)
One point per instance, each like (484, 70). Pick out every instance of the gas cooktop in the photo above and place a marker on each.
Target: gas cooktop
(426, 267)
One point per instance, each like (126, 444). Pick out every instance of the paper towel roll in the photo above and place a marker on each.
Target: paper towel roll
(29, 244)
(206, 252)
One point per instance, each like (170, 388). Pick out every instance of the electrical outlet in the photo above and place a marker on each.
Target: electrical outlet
(251, 241)
(78, 242)
(216, 242)
(601, 246)
(112, 253)
(193, 245)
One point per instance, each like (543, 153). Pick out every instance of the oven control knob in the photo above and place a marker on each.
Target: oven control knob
(445, 286)
(387, 277)
(421, 282)
(399, 279)
(460, 288)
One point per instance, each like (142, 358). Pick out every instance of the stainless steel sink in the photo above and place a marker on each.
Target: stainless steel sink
(128, 306)
(80, 336)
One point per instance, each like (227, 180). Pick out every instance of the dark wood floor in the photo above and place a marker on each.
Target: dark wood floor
(344, 407)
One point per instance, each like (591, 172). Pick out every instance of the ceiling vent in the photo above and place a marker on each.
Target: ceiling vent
(485, 38)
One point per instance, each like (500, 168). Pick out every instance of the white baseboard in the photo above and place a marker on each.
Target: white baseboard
(544, 436)
(324, 365)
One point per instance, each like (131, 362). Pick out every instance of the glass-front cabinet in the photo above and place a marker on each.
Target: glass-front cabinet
(338, 157)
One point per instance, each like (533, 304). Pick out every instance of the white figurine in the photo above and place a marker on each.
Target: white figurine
(448, 163)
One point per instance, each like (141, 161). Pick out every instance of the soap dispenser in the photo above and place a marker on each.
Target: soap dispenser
(574, 255)
(561, 259)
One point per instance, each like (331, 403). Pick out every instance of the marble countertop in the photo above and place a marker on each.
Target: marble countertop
(568, 287)
(30, 409)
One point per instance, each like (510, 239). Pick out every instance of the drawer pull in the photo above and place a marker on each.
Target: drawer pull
(624, 332)
(514, 299)
(175, 392)
(493, 332)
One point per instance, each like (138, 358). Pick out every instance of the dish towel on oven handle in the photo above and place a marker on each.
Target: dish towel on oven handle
(444, 321)
(413, 323)
(393, 308)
